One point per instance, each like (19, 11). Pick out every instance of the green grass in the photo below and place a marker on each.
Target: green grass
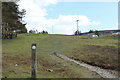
(92, 50)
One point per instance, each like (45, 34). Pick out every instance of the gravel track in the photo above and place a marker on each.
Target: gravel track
(102, 72)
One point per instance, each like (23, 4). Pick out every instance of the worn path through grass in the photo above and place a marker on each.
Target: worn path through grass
(102, 72)
(18, 51)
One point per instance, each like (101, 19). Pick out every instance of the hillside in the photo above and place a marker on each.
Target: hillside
(102, 52)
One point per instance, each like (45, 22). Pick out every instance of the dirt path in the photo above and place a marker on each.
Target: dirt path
(102, 72)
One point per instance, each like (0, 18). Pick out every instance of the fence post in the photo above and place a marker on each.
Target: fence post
(33, 73)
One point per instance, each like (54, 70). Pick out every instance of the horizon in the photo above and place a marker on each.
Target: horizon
(60, 17)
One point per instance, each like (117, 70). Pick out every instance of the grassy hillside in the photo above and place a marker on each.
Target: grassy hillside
(100, 51)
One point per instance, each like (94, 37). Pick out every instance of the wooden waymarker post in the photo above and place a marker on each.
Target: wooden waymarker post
(33, 73)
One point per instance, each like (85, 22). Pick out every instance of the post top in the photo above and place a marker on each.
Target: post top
(33, 46)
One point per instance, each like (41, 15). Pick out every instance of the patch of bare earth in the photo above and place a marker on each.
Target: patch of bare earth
(103, 56)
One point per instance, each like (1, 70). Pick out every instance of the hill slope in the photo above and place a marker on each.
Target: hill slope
(102, 51)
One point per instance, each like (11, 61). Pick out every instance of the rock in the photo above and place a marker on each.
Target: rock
(5, 77)
(50, 70)
(16, 64)
(11, 71)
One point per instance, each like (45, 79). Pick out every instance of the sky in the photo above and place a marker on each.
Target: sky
(59, 17)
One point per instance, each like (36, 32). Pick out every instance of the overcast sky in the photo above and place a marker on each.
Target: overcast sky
(43, 14)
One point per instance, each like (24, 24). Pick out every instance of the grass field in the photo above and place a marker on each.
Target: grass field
(102, 51)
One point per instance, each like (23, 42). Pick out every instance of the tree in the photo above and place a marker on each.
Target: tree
(12, 17)
(44, 32)
(96, 33)
(30, 31)
(91, 31)
(77, 33)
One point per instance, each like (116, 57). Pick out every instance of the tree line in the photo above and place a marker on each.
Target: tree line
(96, 32)
(36, 32)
